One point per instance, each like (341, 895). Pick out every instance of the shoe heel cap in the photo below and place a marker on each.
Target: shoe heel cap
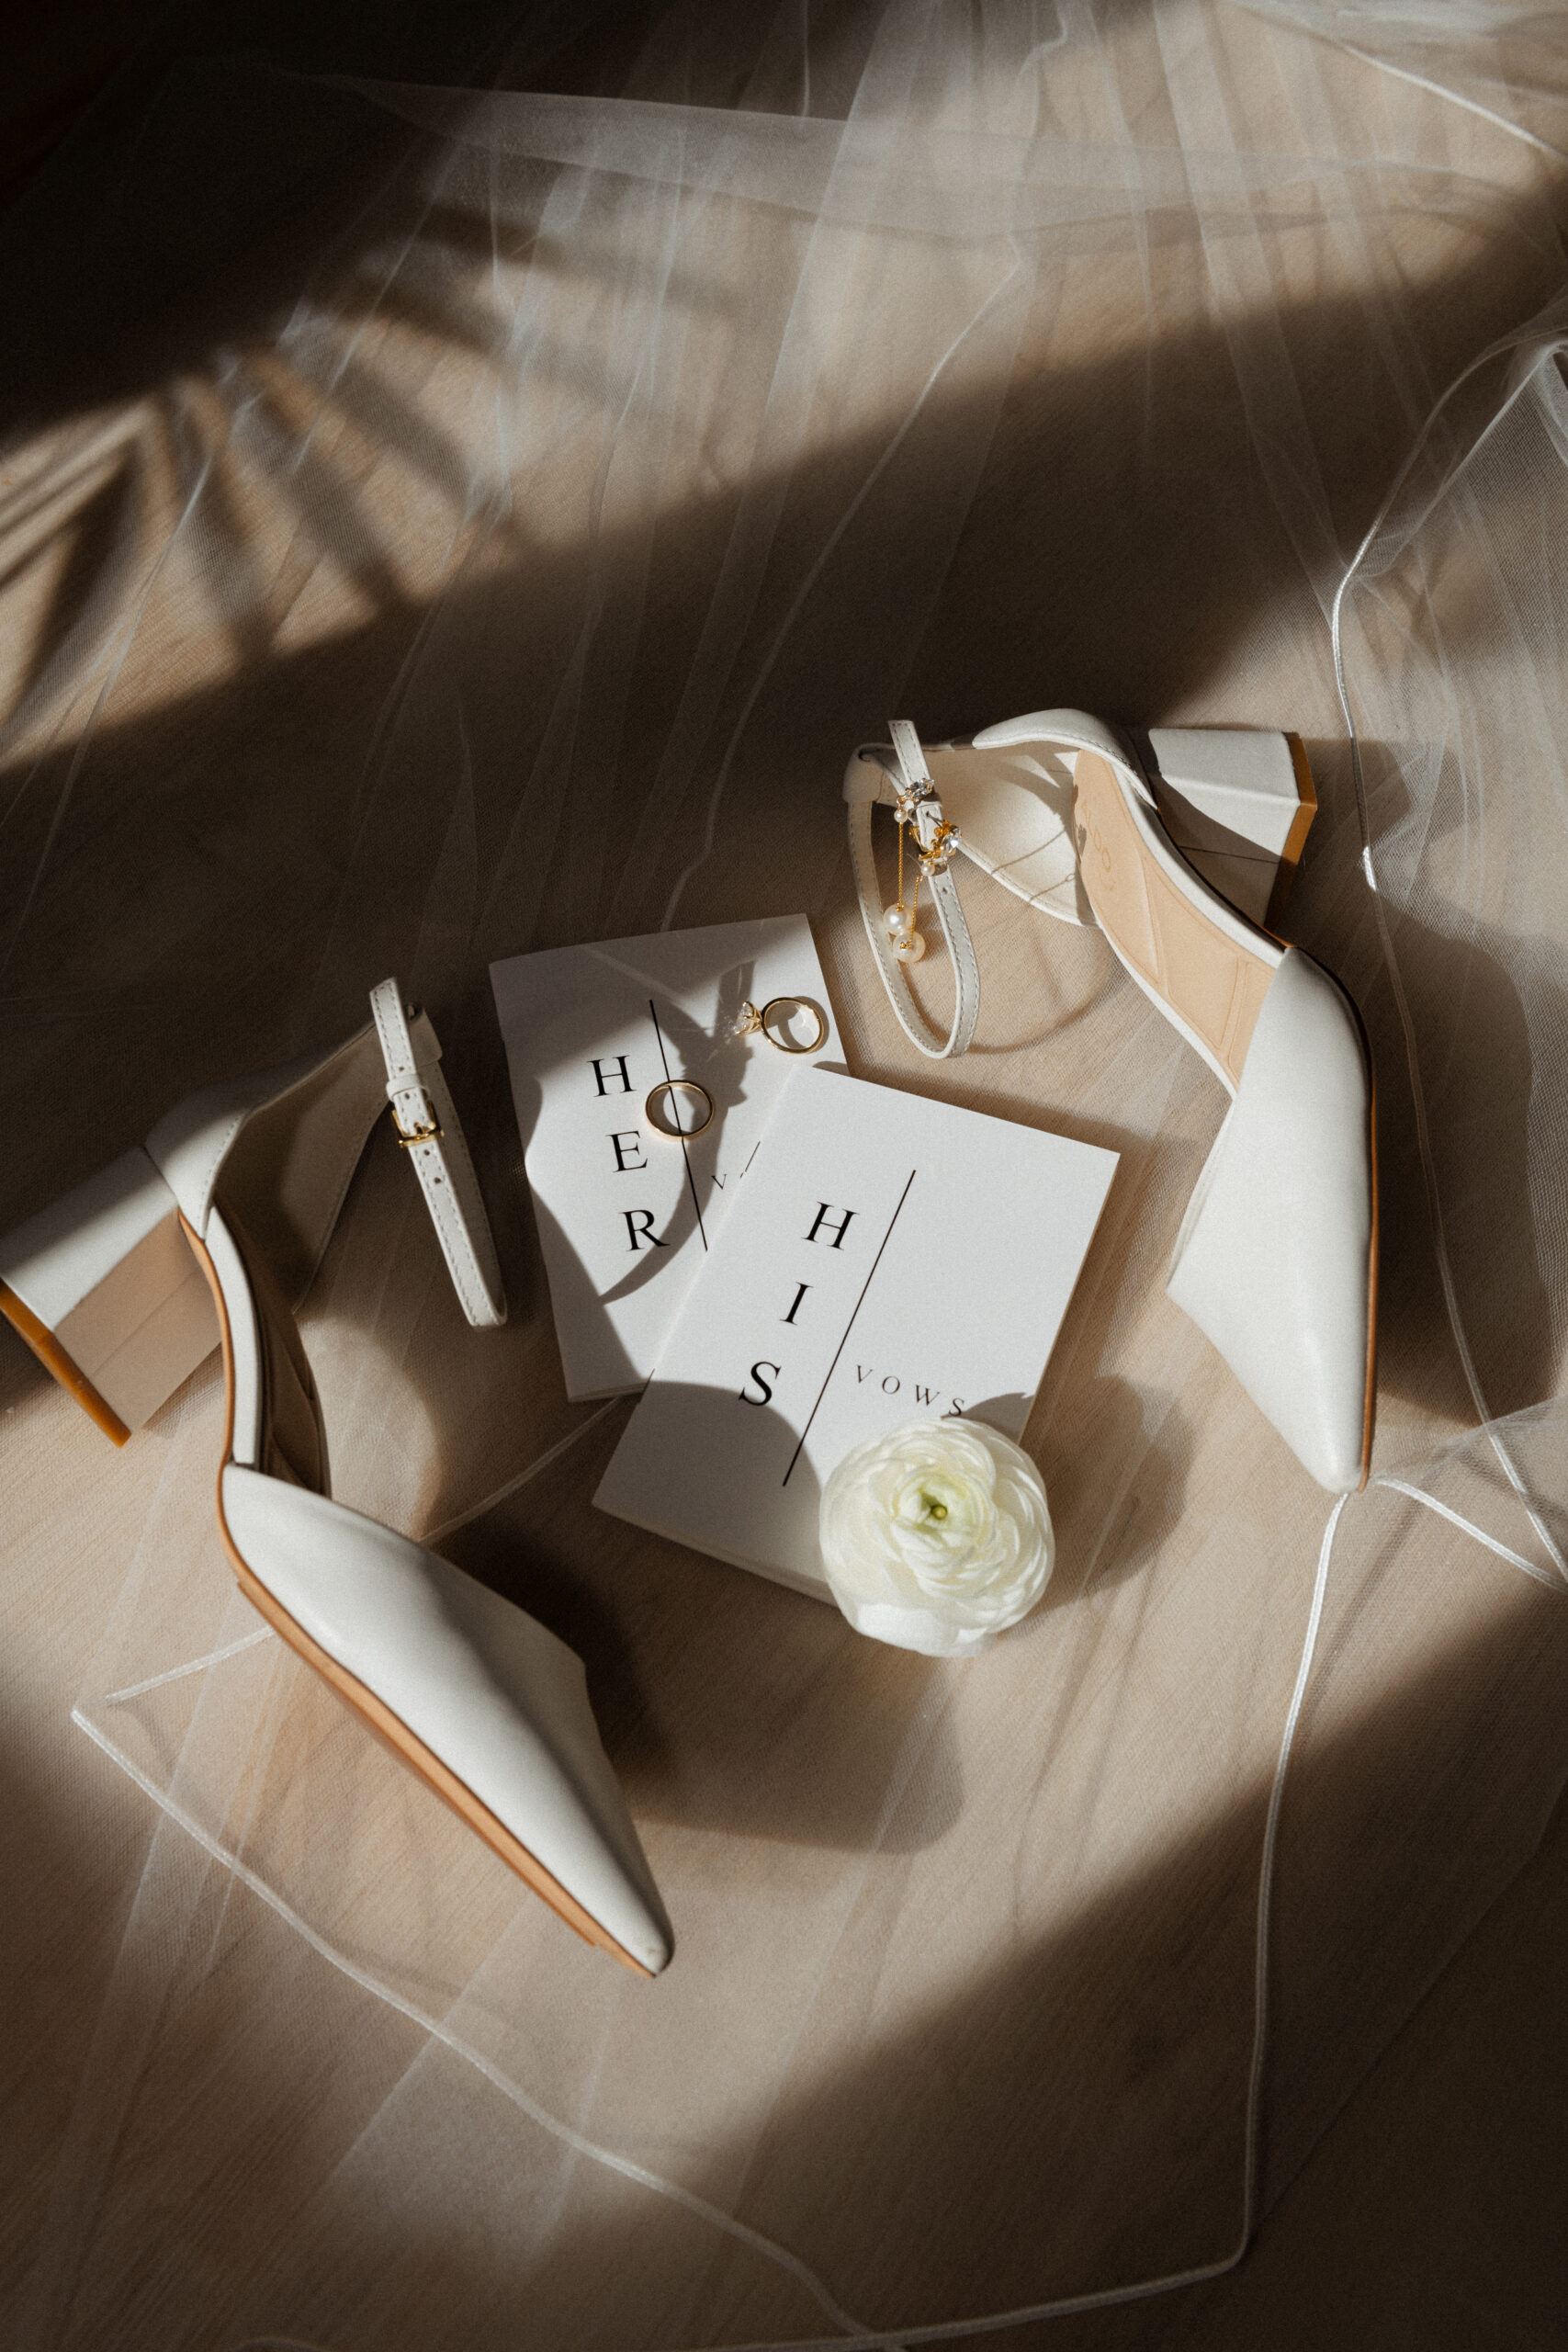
(103, 1287)
(1239, 802)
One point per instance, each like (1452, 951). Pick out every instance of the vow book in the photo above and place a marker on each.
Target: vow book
(888, 1260)
(627, 1214)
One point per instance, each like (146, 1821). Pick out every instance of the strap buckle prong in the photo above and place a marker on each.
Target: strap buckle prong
(891, 930)
(430, 1131)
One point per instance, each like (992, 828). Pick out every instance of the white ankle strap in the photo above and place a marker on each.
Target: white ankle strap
(429, 1131)
(908, 789)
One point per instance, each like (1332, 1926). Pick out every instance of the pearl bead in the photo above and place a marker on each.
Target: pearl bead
(895, 920)
(910, 948)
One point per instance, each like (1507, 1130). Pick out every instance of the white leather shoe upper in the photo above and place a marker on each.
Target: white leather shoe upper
(305, 1126)
(1075, 729)
(1274, 1261)
(1273, 1258)
(478, 1692)
(489, 1691)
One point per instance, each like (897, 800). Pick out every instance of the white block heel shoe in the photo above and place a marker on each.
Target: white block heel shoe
(1180, 851)
(201, 1239)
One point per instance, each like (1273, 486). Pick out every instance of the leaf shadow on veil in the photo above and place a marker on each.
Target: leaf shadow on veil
(221, 874)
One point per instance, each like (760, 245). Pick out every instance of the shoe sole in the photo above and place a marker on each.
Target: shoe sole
(1202, 969)
(389, 1728)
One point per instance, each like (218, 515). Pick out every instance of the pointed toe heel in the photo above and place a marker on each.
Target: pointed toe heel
(486, 1706)
(1275, 1261)
(1180, 845)
(205, 1237)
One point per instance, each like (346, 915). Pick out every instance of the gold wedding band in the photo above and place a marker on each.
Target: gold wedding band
(673, 1086)
(751, 1020)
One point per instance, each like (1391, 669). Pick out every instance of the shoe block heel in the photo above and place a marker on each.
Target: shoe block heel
(104, 1289)
(1238, 803)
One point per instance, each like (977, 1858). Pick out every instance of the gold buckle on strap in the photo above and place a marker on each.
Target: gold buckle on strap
(432, 1132)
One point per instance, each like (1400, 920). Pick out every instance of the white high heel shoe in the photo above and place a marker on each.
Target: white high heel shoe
(1182, 850)
(486, 1706)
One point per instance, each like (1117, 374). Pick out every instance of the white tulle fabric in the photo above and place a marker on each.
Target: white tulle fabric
(517, 562)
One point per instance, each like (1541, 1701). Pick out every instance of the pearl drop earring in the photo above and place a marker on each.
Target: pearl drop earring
(908, 945)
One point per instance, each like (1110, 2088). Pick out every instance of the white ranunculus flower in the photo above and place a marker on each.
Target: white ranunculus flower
(936, 1536)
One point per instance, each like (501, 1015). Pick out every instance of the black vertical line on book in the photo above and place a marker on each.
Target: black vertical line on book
(684, 1153)
(850, 1326)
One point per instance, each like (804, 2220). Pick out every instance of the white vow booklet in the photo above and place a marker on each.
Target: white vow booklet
(888, 1259)
(626, 1216)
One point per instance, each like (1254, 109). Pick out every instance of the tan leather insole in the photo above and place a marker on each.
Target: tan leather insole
(293, 1435)
(1217, 986)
